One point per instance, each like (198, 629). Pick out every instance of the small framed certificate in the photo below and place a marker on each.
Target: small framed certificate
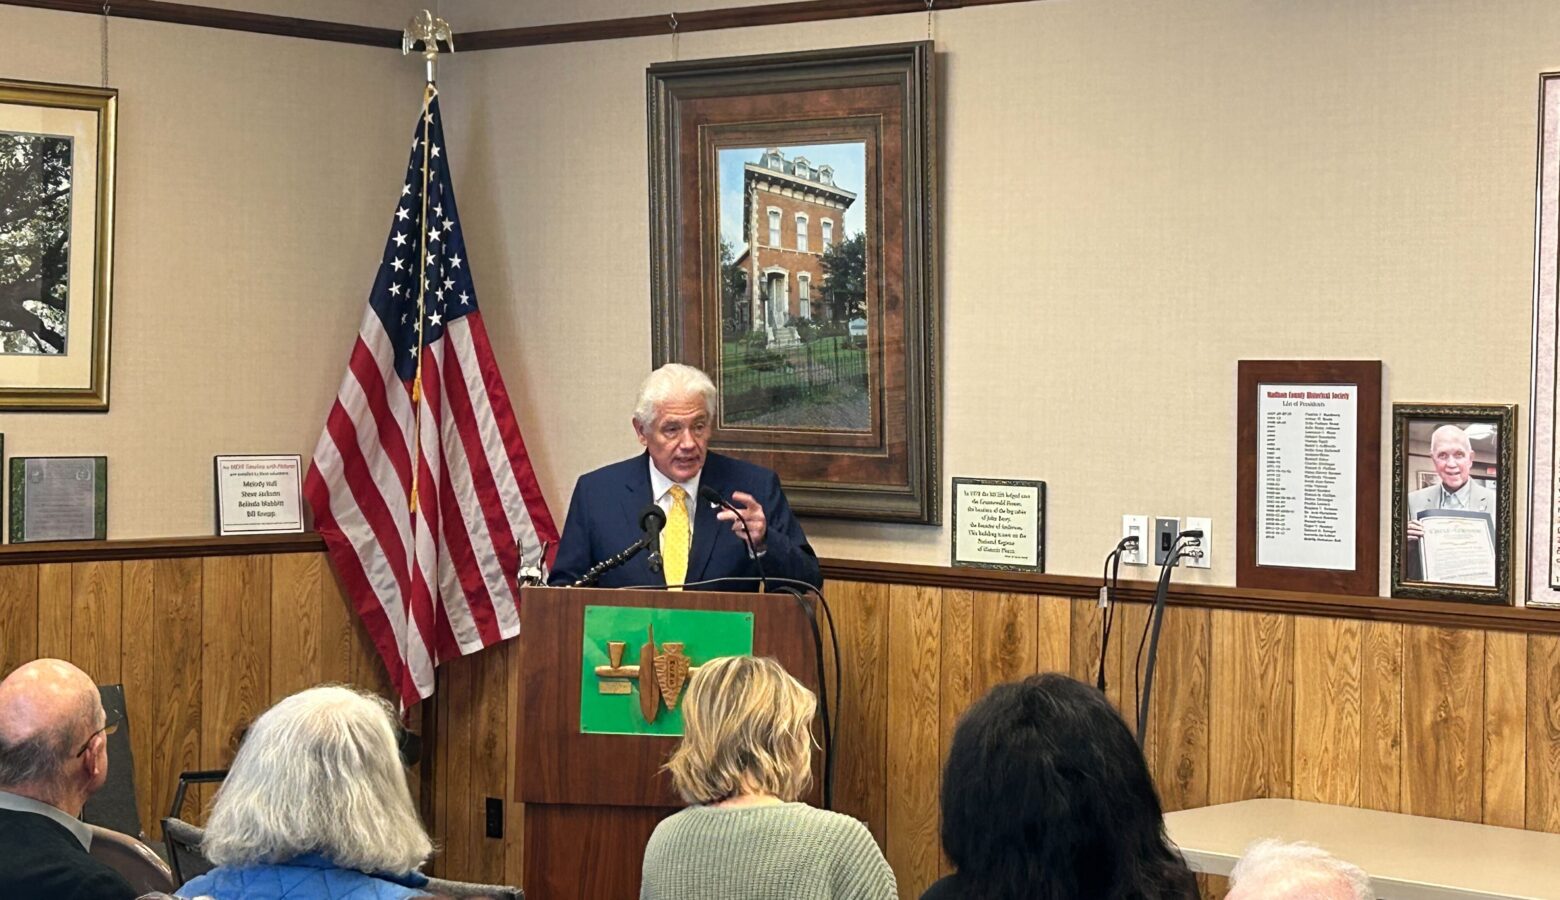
(999, 524)
(1457, 546)
(59, 498)
(259, 494)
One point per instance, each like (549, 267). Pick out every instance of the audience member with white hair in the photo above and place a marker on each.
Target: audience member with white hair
(1275, 870)
(315, 807)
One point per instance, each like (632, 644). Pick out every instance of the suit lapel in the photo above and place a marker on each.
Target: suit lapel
(636, 496)
(705, 529)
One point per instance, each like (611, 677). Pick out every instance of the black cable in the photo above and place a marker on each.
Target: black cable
(1156, 615)
(1110, 579)
(1105, 610)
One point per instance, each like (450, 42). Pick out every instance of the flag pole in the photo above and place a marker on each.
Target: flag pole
(427, 29)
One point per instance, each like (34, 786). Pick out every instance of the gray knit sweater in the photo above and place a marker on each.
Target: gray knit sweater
(788, 851)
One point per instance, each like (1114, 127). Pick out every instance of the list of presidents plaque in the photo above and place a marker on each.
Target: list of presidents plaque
(1307, 435)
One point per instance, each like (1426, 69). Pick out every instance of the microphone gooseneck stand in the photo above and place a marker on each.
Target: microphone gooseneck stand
(647, 516)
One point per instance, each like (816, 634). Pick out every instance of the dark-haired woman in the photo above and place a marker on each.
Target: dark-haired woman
(1046, 796)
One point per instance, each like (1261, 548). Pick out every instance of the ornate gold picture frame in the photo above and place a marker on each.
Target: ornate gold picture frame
(56, 245)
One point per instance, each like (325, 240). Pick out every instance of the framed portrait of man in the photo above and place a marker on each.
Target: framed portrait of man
(1453, 488)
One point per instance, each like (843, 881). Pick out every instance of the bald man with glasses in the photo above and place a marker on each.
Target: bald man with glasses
(53, 756)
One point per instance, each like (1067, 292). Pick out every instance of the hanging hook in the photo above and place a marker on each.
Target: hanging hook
(672, 21)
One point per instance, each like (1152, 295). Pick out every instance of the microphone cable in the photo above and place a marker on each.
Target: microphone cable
(1143, 687)
(1110, 579)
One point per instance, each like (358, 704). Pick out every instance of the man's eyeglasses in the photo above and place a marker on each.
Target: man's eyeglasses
(110, 725)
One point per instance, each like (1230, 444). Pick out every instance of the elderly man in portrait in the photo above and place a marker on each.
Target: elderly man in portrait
(705, 544)
(1452, 455)
(53, 756)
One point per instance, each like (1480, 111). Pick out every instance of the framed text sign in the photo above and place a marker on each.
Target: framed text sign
(999, 524)
(1308, 476)
(259, 494)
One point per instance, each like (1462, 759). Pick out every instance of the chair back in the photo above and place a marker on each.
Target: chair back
(440, 887)
(184, 850)
(114, 805)
(132, 859)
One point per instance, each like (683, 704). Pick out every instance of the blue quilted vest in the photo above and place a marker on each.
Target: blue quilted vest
(307, 877)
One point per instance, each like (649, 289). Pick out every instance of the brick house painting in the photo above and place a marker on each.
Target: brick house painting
(792, 212)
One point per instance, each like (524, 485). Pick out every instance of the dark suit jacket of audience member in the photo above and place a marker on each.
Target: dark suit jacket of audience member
(41, 860)
(604, 518)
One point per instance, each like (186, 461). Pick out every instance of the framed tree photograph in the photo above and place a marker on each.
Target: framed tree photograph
(1453, 476)
(794, 259)
(56, 245)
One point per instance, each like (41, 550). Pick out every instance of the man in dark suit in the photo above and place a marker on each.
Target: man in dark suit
(53, 756)
(700, 543)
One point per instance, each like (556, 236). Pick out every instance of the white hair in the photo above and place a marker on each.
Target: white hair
(1450, 433)
(670, 382)
(1274, 870)
(319, 772)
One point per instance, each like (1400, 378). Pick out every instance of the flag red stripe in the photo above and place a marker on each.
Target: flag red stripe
(349, 568)
(499, 529)
(366, 369)
(365, 493)
(514, 443)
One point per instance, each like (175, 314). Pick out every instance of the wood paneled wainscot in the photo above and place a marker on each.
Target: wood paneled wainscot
(1409, 706)
(204, 635)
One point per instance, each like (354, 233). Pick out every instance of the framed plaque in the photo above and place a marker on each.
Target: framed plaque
(999, 524)
(1543, 522)
(1453, 474)
(1308, 476)
(59, 498)
(259, 494)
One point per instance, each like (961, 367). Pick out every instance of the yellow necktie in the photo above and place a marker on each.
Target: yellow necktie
(674, 540)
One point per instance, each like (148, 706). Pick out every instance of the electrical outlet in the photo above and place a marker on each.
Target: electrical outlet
(495, 817)
(1135, 526)
(1203, 558)
(1165, 531)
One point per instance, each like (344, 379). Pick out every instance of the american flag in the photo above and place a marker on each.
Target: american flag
(431, 555)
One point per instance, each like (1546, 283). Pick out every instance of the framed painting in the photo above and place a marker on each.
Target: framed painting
(56, 245)
(794, 259)
(1453, 487)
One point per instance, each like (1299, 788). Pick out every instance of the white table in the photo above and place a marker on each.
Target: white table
(1407, 857)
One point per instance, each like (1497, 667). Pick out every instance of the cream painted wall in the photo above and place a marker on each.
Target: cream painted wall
(256, 175)
(1135, 195)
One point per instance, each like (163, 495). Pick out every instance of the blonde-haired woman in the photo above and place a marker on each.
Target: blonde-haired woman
(744, 763)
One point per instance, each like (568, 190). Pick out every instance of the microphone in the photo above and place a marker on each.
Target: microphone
(651, 521)
(713, 497)
(650, 516)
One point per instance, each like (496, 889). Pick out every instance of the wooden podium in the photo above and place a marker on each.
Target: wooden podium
(591, 800)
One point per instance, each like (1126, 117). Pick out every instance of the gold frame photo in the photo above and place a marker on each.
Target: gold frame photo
(56, 245)
(1486, 474)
